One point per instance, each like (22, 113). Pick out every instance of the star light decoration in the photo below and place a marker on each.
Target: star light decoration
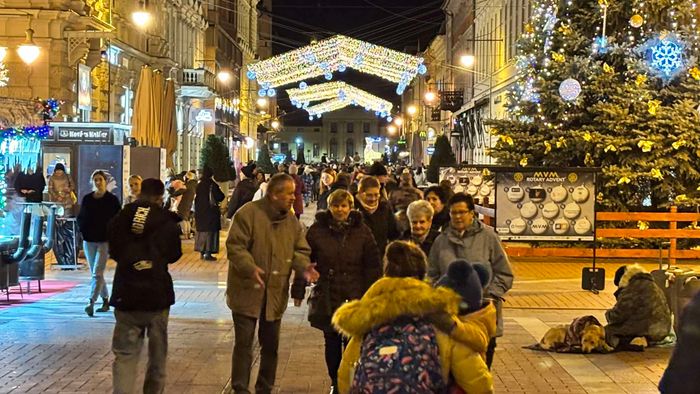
(335, 54)
(337, 95)
(665, 55)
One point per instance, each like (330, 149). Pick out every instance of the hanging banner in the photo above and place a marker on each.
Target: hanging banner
(84, 88)
(545, 204)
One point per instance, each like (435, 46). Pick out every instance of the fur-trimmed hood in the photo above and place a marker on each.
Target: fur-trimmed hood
(389, 299)
(325, 218)
(630, 271)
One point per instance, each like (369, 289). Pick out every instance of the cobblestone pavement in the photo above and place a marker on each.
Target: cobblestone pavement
(51, 346)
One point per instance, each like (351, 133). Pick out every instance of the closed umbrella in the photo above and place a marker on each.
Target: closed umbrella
(154, 137)
(417, 151)
(169, 127)
(143, 106)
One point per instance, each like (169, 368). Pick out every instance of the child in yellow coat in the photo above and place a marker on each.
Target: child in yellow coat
(402, 292)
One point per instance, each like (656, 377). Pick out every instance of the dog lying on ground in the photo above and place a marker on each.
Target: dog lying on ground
(584, 333)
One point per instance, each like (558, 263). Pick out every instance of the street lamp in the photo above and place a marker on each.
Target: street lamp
(224, 76)
(29, 51)
(467, 60)
(430, 97)
(141, 17)
(412, 109)
(275, 124)
(398, 121)
(262, 102)
(391, 129)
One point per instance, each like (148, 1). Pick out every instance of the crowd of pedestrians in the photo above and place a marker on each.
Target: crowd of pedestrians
(406, 283)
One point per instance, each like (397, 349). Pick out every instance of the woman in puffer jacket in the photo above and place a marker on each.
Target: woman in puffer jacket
(402, 292)
(348, 262)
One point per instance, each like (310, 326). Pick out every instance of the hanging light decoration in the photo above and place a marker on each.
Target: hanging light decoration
(337, 53)
(342, 92)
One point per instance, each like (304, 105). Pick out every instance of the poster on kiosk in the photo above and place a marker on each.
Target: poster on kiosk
(546, 204)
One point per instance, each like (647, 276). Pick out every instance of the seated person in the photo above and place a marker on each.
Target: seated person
(641, 313)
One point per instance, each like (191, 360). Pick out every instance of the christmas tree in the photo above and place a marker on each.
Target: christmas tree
(442, 157)
(624, 97)
(263, 162)
(215, 156)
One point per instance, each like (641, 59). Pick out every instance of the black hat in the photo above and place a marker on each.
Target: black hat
(618, 275)
(59, 166)
(377, 169)
(249, 170)
(468, 281)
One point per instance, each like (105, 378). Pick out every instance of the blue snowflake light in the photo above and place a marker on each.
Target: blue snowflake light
(665, 55)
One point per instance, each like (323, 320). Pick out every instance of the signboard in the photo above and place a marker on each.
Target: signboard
(84, 88)
(93, 135)
(474, 180)
(109, 159)
(545, 204)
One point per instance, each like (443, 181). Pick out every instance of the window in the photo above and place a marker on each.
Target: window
(317, 150)
(365, 127)
(351, 127)
(334, 127)
(349, 147)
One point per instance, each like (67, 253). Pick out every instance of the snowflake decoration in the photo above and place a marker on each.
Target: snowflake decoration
(665, 56)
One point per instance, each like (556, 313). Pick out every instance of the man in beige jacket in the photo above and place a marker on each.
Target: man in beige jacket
(265, 242)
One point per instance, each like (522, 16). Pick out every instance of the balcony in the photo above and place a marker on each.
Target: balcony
(198, 83)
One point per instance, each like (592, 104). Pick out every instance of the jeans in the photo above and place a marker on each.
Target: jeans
(334, 345)
(96, 254)
(269, 338)
(127, 341)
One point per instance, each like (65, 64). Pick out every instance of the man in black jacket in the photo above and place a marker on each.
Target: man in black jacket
(143, 239)
(244, 191)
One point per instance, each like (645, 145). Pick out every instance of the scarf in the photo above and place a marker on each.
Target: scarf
(368, 208)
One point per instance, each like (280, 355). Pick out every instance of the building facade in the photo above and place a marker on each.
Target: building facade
(91, 54)
(488, 30)
(340, 133)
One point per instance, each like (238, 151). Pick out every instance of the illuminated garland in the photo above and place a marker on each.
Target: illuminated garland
(48, 109)
(339, 95)
(230, 106)
(37, 132)
(335, 54)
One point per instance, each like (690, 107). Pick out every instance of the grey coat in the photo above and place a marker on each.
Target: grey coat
(479, 244)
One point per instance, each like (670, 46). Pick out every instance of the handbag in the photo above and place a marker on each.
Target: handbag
(212, 201)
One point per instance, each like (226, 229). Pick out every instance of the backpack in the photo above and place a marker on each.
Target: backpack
(399, 357)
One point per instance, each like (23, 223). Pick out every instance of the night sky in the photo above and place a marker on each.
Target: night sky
(398, 24)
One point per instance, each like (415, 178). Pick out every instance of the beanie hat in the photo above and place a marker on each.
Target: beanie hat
(59, 166)
(618, 275)
(248, 170)
(377, 169)
(467, 280)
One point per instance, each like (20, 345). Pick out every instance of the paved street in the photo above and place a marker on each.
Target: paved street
(50, 345)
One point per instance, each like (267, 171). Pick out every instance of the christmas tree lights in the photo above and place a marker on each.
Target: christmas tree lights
(336, 54)
(338, 95)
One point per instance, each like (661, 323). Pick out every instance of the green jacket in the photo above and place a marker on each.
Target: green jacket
(260, 236)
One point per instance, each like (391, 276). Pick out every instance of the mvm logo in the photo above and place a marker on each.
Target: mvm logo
(546, 174)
